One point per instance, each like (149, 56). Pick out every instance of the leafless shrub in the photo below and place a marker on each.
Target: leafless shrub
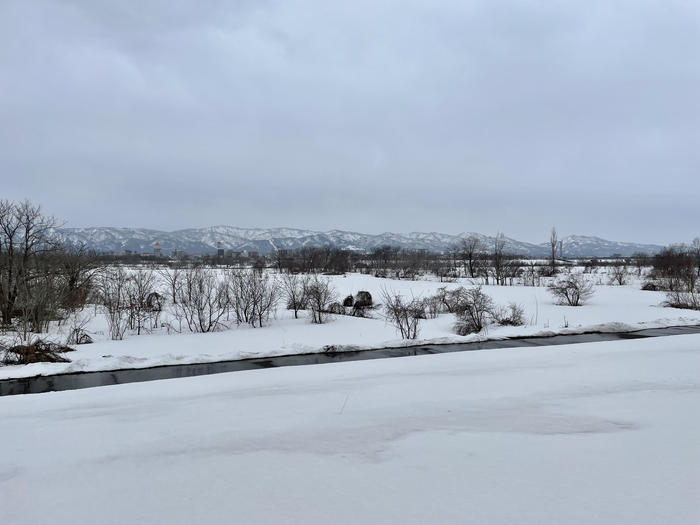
(405, 315)
(450, 299)
(77, 334)
(202, 300)
(512, 315)
(572, 289)
(473, 312)
(687, 300)
(433, 306)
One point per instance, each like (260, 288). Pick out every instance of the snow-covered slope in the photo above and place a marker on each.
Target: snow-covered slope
(266, 240)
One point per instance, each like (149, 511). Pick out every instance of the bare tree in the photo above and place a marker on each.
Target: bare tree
(140, 287)
(498, 259)
(469, 252)
(531, 274)
(572, 289)
(171, 277)
(553, 243)
(405, 315)
(320, 294)
(294, 287)
(112, 285)
(512, 269)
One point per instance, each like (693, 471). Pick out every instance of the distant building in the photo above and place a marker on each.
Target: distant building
(156, 250)
(253, 254)
(128, 252)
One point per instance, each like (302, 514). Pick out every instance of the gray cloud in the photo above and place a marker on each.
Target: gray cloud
(373, 116)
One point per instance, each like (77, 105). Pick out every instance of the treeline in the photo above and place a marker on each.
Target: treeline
(471, 259)
(38, 276)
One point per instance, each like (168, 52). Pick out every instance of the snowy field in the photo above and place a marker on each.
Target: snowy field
(604, 433)
(612, 308)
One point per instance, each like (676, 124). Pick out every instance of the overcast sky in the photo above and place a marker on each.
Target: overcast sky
(361, 115)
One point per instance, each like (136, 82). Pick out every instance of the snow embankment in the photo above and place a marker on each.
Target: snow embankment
(612, 309)
(602, 433)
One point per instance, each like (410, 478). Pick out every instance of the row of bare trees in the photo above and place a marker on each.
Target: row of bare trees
(204, 299)
(473, 309)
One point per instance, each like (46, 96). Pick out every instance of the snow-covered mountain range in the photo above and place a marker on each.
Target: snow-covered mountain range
(266, 240)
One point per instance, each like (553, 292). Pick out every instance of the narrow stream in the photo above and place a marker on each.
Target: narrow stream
(77, 380)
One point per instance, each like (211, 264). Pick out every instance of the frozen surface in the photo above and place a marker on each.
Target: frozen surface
(613, 308)
(580, 434)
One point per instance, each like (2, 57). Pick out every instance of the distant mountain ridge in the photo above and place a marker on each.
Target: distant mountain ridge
(199, 241)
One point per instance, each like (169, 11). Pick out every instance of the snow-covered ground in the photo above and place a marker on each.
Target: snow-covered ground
(604, 433)
(613, 308)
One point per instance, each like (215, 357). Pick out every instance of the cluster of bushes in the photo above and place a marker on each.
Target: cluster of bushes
(207, 300)
(688, 300)
(677, 271)
(474, 311)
